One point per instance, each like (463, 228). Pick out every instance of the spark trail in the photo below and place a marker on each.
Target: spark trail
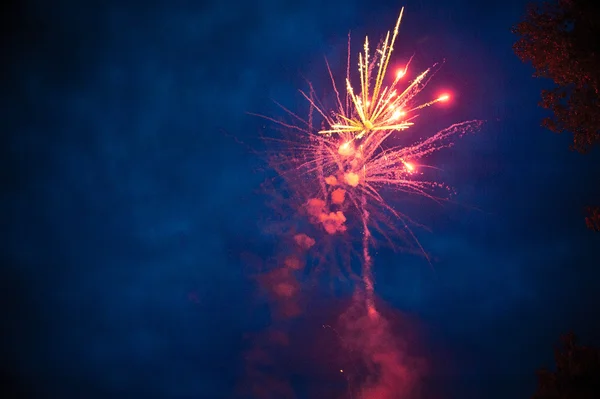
(341, 169)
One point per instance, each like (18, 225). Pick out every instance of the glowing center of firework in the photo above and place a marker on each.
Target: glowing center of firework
(346, 149)
(397, 114)
(352, 179)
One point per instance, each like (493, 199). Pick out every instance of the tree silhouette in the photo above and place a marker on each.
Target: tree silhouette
(561, 39)
(593, 219)
(577, 374)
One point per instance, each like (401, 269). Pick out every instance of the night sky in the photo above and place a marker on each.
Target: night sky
(132, 201)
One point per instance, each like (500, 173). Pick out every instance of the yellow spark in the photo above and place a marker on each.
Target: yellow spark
(378, 108)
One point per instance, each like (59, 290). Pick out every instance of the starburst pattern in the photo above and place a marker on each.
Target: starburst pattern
(377, 108)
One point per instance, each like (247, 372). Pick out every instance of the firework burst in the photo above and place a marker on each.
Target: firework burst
(377, 108)
(341, 168)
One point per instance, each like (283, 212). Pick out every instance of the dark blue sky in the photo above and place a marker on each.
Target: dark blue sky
(127, 203)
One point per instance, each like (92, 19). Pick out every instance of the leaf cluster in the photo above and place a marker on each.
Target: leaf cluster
(577, 374)
(561, 39)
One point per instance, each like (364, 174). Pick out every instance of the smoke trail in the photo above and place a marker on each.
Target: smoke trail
(265, 375)
(388, 365)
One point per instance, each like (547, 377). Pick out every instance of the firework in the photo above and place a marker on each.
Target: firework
(378, 108)
(342, 167)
